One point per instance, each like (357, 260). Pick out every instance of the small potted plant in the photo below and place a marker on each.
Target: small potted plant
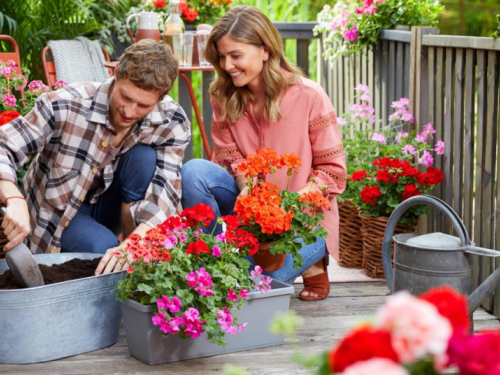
(182, 290)
(389, 181)
(277, 217)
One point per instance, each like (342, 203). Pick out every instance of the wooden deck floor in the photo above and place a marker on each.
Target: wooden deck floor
(326, 322)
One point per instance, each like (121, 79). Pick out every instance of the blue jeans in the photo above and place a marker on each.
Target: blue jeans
(206, 182)
(95, 227)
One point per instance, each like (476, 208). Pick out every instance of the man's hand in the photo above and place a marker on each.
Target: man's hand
(113, 260)
(16, 223)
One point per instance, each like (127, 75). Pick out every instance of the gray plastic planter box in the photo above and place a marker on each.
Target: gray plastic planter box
(59, 320)
(146, 342)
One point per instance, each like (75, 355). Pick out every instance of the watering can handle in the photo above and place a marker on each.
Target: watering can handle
(128, 26)
(396, 215)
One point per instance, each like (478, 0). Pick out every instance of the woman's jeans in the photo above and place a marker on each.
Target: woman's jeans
(95, 227)
(206, 182)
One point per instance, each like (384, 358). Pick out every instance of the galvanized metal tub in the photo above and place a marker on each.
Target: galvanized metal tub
(59, 320)
(147, 343)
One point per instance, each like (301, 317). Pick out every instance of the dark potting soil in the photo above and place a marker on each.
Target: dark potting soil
(57, 273)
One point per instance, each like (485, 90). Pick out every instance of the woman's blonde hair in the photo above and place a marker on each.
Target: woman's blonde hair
(249, 25)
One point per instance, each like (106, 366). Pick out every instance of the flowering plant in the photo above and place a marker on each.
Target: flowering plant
(352, 25)
(12, 84)
(378, 184)
(275, 215)
(194, 279)
(15, 100)
(416, 336)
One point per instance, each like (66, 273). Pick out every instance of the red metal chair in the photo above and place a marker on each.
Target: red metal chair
(49, 67)
(14, 56)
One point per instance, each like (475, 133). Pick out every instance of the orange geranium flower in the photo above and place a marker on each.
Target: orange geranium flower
(315, 198)
(292, 161)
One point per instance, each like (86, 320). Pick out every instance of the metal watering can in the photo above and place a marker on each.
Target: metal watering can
(425, 261)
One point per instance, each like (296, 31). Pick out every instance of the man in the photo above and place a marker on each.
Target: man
(108, 160)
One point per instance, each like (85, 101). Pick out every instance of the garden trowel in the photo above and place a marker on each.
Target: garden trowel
(23, 265)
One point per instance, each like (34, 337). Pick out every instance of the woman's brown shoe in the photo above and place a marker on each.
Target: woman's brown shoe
(318, 285)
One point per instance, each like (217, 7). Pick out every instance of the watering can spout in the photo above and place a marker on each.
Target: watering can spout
(456, 269)
(484, 290)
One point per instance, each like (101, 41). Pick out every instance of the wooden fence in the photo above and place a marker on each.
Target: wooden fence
(452, 82)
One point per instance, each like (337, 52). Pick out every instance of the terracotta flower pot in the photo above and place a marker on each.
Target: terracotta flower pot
(266, 260)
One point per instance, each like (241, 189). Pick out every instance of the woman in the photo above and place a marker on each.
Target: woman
(260, 100)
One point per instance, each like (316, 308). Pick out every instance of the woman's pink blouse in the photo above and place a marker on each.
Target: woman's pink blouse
(308, 128)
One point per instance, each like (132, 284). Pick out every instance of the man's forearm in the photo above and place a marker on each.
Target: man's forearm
(8, 189)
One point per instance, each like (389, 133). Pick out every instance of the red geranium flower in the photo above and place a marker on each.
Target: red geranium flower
(8, 116)
(243, 239)
(171, 223)
(198, 247)
(200, 214)
(410, 191)
(370, 194)
(361, 345)
(358, 175)
(159, 3)
(450, 304)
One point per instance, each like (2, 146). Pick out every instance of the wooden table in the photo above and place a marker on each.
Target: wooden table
(182, 70)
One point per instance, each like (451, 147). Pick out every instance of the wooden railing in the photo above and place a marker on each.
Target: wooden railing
(452, 82)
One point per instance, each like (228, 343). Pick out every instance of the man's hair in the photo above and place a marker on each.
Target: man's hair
(149, 65)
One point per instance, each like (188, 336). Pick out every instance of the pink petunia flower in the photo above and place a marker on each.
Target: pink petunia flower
(257, 272)
(231, 295)
(409, 149)
(417, 329)
(400, 135)
(243, 293)
(440, 145)
(9, 100)
(59, 84)
(352, 34)
(421, 138)
(426, 159)
(221, 237)
(379, 138)
(216, 251)
(264, 285)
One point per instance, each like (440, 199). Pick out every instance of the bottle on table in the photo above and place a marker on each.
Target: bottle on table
(173, 24)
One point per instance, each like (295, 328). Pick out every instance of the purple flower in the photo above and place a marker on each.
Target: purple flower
(216, 251)
(439, 147)
(352, 34)
(379, 138)
(221, 237)
(191, 314)
(409, 149)
(9, 100)
(426, 159)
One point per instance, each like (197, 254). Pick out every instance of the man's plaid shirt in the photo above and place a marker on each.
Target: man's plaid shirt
(70, 132)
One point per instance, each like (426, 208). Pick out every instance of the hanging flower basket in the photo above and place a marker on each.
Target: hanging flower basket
(372, 231)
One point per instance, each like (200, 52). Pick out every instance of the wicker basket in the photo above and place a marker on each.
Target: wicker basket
(372, 230)
(3, 238)
(350, 240)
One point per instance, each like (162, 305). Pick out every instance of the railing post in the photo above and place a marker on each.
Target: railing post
(419, 81)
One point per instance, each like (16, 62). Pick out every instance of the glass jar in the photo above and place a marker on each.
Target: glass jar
(173, 24)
